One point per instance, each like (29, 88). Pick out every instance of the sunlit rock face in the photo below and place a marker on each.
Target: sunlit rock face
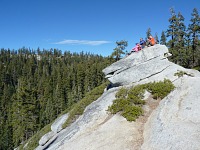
(173, 124)
(141, 65)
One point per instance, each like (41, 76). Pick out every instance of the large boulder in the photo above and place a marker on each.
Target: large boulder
(142, 65)
(57, 125)
(45, 138)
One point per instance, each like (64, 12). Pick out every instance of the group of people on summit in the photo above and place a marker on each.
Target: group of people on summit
(142, 44)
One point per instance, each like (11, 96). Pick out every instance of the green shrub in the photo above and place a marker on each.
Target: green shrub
(135, 95)
(160, 89)
(181, 73)
(118, 105)
(136, 100)
(196, 68)
(122, 93)
(127, 109)
(137, 90)
(129, 102)
(131, 113)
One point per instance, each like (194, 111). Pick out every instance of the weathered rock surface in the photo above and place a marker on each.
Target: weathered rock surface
(45, 138)
(173, 124)
(55, 128)
(108, 135)
(94, 115)
(176, 123)
(147, 63)
(57, 125)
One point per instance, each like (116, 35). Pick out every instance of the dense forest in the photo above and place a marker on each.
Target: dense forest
(37, 85)
(183, 40)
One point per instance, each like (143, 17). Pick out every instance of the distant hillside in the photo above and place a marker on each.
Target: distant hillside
(37, 85)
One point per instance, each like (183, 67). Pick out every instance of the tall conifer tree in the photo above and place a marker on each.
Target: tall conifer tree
(194, 31)
(163, 38)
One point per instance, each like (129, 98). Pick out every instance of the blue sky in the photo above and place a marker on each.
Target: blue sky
(85, 25)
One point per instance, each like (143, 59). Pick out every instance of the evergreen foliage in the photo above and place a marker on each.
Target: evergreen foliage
(156, 38)
(160, 89)
(181, 73)
(171, 31)
(163, 39)
(148, 33)
(122, 93)
(74, 112)
(37, 86)
(32, 142)
(79, 107)
(129, 102)
(194, 32)
(119, 50)
(184, 41)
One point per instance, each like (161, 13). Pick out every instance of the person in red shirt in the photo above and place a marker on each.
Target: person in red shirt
(150, 41)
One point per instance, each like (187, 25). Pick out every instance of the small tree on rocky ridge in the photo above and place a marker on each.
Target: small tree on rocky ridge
(119, 50)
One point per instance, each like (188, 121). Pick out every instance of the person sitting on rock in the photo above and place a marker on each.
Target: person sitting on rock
(142, 43)
(150, 41)
(136, 48)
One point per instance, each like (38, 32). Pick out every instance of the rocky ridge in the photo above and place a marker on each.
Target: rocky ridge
(171, 124)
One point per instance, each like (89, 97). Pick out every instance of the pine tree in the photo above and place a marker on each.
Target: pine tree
(181, 30)
(49, 113)
(23, 116)
(5, 118)
(58, 95)
(80, 80)
(119, 50)
(177, 33)
(180, 40)
(156, 38)
(194, 31)
(171, 31)
(188, 51)
(148, 33)
(163, 38)
(198, 52)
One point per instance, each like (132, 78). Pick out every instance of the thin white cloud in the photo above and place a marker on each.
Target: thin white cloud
(82, 42)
